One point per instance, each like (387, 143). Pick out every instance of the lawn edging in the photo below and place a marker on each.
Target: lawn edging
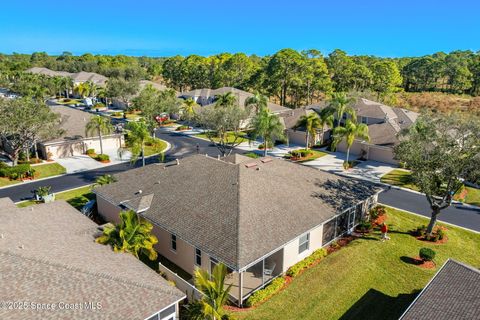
(34, 180)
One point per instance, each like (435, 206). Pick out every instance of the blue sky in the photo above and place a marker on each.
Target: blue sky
(165, 28)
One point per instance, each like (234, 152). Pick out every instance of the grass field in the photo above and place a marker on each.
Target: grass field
(315, 154)
(76, 198)
(230, 137)
(368, 279)
(402, 178)
(41, 171)
(72, 101)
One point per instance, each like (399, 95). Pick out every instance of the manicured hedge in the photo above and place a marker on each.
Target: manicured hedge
(301, 153)
(90, 151)
(264, 294)
(18, 172)
(427, 254)
(102, 157)
(294, 270)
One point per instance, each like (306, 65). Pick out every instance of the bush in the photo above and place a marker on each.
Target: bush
(437, 234)
(427, 254)
(182, 128)
(301, 153)
(18, 172)
(377, 211)
(262, 146)
(117, 114)
(90, 152)
(264, 294)
(99, 106)
(364, 226)
(252, 155)
(102, 157)
(294, 270)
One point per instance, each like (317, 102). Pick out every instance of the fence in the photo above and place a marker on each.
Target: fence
(180, 283)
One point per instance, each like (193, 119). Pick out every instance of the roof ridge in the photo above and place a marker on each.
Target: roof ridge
(237, 224)
(79, 270)
(466, 266)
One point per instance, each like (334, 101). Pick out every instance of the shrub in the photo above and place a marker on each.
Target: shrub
(182, 128)
(301, 153)
(427, 254)
(99, 105)
(90, 152)
(364, 226)
(440, 233)
(252, 155)
(294, 270)
(264, 294)
(117, 114)
(262, 146)
(102, 157)
(43, 191)
(377, 211)
(18, 172)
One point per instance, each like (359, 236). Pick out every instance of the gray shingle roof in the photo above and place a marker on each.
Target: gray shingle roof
(81, 76)
(73, 122)
(453, 294)
(48, 255)
(237, 212)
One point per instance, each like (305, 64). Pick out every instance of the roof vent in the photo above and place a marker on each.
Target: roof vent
(2, 236)
(22, 246)
(177, 161)
(250, 165)
(267, 160)
(139, 192)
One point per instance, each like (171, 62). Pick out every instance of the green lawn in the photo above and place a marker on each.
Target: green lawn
(41, 171)
(72, 101)
(315, 154)
(368, 279)
(230, 137)
(402, 178)
(151, 150)
(77, 197)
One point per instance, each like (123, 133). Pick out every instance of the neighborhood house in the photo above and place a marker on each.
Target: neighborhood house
(257, 216)
(48, 256)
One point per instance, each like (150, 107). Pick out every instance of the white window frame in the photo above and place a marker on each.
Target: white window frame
(307, 242)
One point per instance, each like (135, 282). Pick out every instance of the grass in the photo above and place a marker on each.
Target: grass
(72, 101)
(230, 137)
(252, 155)
(367, 279)
(130, 116)
(402, 178)
(158, 148)
(314, 154)
(77, 198)
(41, 171)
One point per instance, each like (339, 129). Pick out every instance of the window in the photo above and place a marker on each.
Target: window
(329, 231)
(173, 242)
(304, 243)
(198, 257)
(364, 120)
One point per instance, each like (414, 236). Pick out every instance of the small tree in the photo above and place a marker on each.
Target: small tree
(223, 124)
(267, 126)
(122, 89)
(98, 125)
(311, 123)
(215, 294)
(104, 180)
(441, 151)
(133, 234)
(137, 135)
(349, 132)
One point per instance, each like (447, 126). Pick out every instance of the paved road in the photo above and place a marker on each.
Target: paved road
(184, 145)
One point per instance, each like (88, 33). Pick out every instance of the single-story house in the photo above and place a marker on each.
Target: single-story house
(78, 77)
(206, 98)
(298, 135)
(119, 104)
(257, 216)
(51, 264)
(453, 294)
(73, 141)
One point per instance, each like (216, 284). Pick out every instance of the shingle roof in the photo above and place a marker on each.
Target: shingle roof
(81, 76)
(48, 255)
(237, 212)
(241, 96)
(453, 293)
(73, 122)
(291, 117)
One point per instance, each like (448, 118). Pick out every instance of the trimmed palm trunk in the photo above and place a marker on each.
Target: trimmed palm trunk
(265, 146)
(100, 139)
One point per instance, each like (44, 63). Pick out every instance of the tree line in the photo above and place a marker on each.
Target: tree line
(291, 78)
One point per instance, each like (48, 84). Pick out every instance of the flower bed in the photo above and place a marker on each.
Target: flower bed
(438, 236)
(183, 128)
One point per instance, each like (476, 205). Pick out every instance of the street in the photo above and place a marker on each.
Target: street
(182, 146)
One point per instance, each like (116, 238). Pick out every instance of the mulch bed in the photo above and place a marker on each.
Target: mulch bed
(342, 242)
(425, 264)
(442, 241)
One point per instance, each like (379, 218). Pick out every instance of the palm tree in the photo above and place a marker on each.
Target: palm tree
(137, 135)
(339, 106)
(133, 234)
(267, 126)
(215, 295)
(349, 132)
(98, 125)
(188, 108)
(105, 179)
(258, 101)
(311, 122)
(226, 100)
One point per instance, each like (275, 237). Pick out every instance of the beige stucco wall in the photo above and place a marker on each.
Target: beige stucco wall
(382, 154)
(65, 149)
(290, 251)
(108, 211)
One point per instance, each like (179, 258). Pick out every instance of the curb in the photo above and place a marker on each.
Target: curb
(36, 180)
(87, 185)
(442, 221)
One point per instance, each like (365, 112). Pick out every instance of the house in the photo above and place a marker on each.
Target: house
(257, 216)
(119, 104)
(298, 135)
(78, 77)
(207, 97)
(50, 263)
(453, 293)
(73, 140)
(384, 125)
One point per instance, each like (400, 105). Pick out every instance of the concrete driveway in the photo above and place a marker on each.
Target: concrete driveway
(83, 162)
(368, 170)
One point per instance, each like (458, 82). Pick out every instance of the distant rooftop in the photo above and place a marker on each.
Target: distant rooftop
(81, 76)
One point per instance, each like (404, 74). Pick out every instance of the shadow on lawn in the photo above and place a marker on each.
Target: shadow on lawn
(375, 305)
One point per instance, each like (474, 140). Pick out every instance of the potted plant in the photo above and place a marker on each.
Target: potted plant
(44, 194)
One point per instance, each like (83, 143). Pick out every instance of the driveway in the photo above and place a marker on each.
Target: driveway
(368, 170)
(83, 162)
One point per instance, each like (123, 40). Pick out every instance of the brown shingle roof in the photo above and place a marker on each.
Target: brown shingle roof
(73, 123)
(81, 76)
(453, 294)
(237, 212)
(48, 255)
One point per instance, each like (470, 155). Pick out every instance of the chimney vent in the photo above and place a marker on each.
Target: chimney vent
(177, 161)
(139, 192)
(250, 165)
